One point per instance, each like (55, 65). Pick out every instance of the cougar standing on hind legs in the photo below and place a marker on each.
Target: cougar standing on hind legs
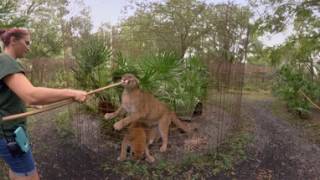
(143, 107)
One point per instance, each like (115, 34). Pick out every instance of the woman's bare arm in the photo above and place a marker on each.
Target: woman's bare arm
(32, 95)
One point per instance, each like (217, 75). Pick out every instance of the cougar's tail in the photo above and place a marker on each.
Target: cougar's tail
(180, 124)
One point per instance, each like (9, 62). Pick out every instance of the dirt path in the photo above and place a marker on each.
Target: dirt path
(279, 151)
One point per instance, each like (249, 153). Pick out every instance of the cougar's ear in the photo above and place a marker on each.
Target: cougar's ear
(136, 79)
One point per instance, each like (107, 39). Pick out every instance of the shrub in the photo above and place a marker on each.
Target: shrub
(289, 84)
(93, 62)
(179, 82)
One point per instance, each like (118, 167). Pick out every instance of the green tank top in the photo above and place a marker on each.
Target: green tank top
(10, 103)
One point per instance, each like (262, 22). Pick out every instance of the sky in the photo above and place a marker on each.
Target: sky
(106, 10)
(111, 11)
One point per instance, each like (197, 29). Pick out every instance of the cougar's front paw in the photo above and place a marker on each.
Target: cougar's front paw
(150, 159)
(121, 158)
(108, 116)
(117, 126)
(163, 148)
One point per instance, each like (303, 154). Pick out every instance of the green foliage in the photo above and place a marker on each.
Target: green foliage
(62, 79)
(186, 27)
(230, 152)
(9, 16)
(123, 66)
(164, 166)
(63, 124)
(46, 26)
(279, 15)
(93, 60)
(173, 25)
(159, 74)
(132, 168)
(229, 39)
(179, 82)
(53, 29)
(300, 51)
(290, 82)
(46, 40)
(193, 88)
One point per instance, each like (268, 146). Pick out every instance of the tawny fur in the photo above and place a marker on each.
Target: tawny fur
(138, 138)
(143, 107)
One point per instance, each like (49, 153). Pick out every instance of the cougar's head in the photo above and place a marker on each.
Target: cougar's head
(138, 151)
(129, 81)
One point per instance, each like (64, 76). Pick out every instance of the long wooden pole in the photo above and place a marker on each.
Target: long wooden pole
(309, 99)
(55, 105)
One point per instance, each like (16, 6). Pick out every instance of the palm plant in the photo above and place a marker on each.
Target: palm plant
(93, 62)
(192, 87)
(179, 82)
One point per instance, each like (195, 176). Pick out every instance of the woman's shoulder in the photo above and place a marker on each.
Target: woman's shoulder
(5, 59)
(8, 66)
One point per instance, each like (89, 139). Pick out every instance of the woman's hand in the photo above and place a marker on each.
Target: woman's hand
(79, 95)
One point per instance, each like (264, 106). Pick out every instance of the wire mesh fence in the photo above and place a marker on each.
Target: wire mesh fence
(78, 143)
(258, 77)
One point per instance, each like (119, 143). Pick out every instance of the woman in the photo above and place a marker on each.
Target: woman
(16, 91)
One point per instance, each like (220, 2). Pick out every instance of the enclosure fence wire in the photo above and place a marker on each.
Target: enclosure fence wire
(94, 137)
